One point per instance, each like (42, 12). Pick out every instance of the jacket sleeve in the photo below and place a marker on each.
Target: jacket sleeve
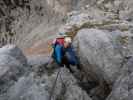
(59, 55)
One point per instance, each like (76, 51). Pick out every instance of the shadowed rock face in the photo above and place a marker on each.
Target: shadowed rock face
(21, 17)
(22, 20)
(122, 87)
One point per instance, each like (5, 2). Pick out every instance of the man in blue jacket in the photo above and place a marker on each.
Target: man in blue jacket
(64, 54)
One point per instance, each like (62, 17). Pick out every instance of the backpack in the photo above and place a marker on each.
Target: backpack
(60, 41)
(56, 41)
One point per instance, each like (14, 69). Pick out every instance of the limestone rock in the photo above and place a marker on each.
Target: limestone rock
(122, 89)
(32, 88)
(101, 52)
(13, 64)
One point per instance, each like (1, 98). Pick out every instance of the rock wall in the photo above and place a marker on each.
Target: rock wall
(25, 18)
(13, 64)
(103, 42)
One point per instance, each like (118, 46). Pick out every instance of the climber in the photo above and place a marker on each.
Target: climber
(63, 53)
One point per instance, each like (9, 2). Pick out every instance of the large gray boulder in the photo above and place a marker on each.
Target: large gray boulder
(14, 51)
(13, 64)
(32, 87)
(103, 56)
(101, 52)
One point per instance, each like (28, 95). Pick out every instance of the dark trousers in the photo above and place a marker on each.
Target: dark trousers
(66, 63)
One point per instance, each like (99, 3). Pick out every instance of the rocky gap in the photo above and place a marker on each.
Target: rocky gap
(96, 89)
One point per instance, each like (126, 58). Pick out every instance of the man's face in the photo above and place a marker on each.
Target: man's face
(66, 44)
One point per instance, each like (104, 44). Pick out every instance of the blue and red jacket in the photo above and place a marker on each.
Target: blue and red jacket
(60, 52)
